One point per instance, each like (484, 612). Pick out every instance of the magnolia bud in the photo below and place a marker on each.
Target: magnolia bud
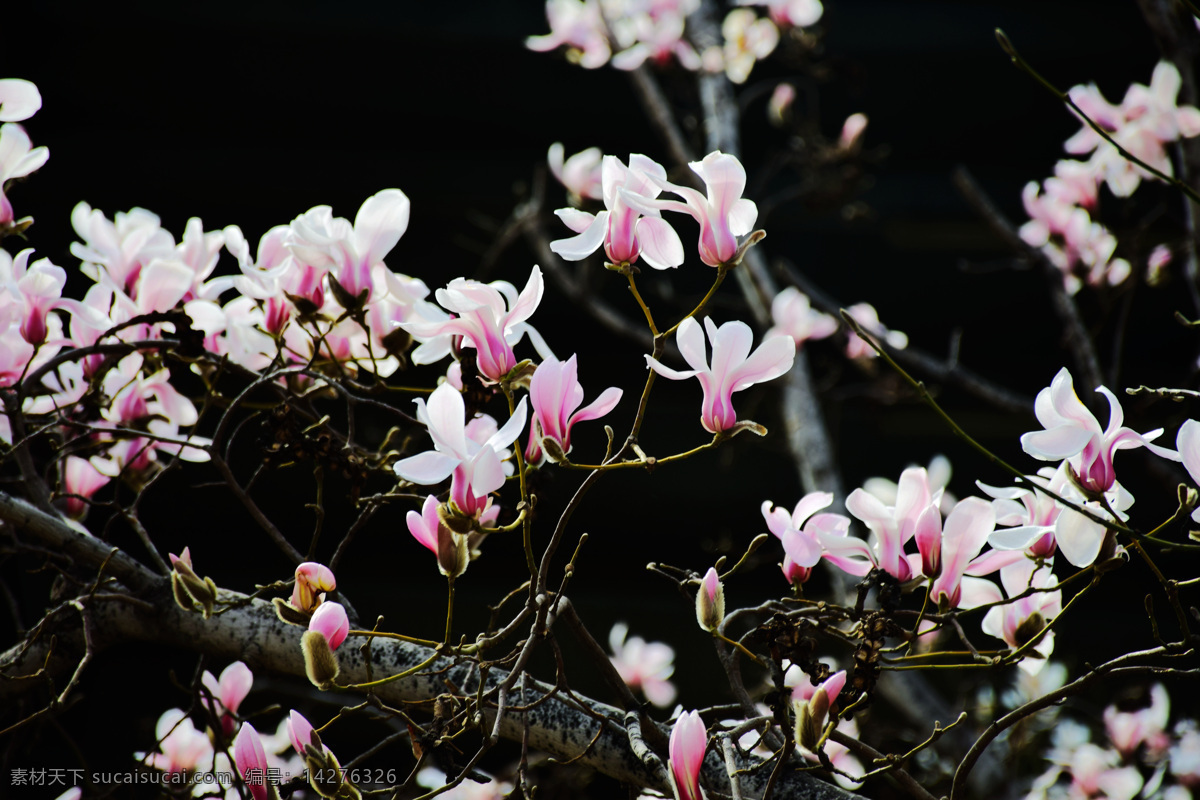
(808, 727)
(320, 664)
(710, 601)
(289, 614)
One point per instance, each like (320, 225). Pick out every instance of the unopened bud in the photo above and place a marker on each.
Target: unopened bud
(710, 601)
(1188, 497)
(808, 727)
(320, 664)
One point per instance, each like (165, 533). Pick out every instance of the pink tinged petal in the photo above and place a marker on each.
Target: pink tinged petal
(667, 372)
(424, 525)
(773, 358)
(833, 685)
(689, 738)
(928, 534)
(330, 621)
(248, 755)
(1078, 537)
(528, 300)
(511, 430)
(690, 340)
(975, 592)
(577, 248)
(1057, 443)
(426, 469)
(445, 415)
(659, 243)
(809, 505)
(603, 404)
(1188, 442)
(299, 731)
(380, 223)
(19, 100)
(848, 553)
(162, 284)
(236, 682)
(487, 472)
(578, 221)
(777, 518)
(801, 549)
(1018, 538)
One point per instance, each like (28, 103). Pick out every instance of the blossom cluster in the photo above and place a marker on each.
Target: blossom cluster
(630, 33)
(1025, 527)
(1143, 755)
(1063, 208)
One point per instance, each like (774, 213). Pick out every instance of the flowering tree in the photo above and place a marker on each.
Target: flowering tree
(314, 371)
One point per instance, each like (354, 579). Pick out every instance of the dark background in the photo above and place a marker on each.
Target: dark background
(249, 114)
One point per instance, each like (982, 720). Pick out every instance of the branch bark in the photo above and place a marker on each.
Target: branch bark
(560, 725)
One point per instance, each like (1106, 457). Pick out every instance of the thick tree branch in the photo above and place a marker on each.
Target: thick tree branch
(252, 633)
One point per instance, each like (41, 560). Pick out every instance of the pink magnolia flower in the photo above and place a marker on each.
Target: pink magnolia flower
(800, 532)
(19, 100)
(723, 213)
(1031, 515)
(476, 468)
(311, 580)
(1129, 730)
(957, 546)
(658, 37)
(489, 317)
(330, 621)
(580, 174)
(733, 367)
(643, 665)
(748, 40)
(892, 526)
(251, 761)
(81, 478)
(811, 706)
(1019, 621)
(866, 316)
(629, 226)
(578, 24)
(18, 158)
(228, 693)
(120, 248)
(689, 739)
(184, 748)
(555, 394)
(350, 252)
(794, 316)
(1072, 433)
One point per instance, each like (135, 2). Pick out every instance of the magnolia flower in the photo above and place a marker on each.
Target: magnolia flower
(350, 252)
(723, 213)
(689, 738)
(120, 248)
(643, 665)
(794, 316)
(629, 226)
(892, 526)
(19, 100)
(1072, 433)
(733, 368)
(1031, 514)
(811, 706)
(18, 158)
(330, 621)
(555, 394)
(184, 748)
(228, 693)
(476, 468)
(578, 24)
(658, 37)
(311, 580)
(800, 532)
(489, 317)
(1019, 621)
(748, 39)
(82, 479)
(1129, 730)
(580, 174)
(251, 761)
(866, 316)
